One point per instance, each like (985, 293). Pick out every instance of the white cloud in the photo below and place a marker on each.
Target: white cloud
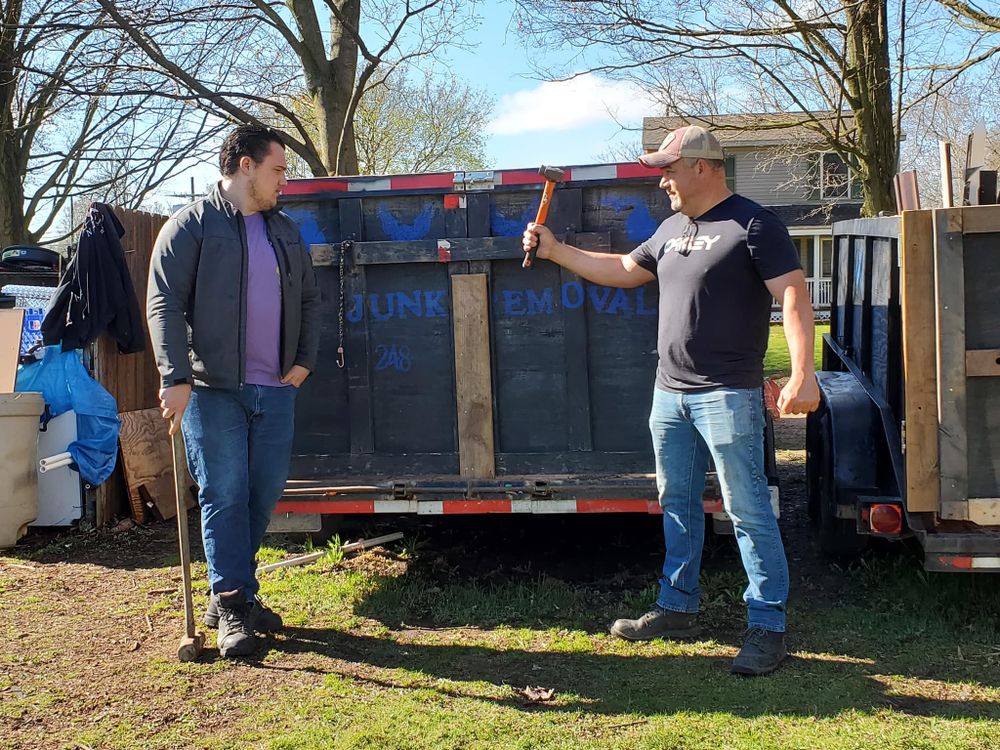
(564, 105)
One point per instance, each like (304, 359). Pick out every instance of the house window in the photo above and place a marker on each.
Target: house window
(826, 257)
(731, 173)
(836, 179)
(805, 247)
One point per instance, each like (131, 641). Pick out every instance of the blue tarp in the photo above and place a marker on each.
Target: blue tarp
(65, 384)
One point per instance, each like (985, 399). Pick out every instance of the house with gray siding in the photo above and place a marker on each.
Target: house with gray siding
(788, 169)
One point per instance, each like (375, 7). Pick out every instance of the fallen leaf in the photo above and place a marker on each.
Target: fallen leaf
(537, 694)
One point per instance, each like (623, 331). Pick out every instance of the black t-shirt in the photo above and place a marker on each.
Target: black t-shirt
(714, 307)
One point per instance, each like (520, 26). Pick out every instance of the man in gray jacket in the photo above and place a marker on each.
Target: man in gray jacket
(233, 311)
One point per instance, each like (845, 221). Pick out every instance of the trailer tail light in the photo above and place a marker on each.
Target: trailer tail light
(885, 518)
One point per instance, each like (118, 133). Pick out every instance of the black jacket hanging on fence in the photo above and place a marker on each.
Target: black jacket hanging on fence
(96, 293)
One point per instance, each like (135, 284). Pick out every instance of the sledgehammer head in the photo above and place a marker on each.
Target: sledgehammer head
(190, 647)
(552, 174)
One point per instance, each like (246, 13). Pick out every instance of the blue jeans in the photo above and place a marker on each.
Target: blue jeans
(239, 445)
(727, 425)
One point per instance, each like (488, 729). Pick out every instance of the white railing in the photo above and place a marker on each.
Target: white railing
(820, 291)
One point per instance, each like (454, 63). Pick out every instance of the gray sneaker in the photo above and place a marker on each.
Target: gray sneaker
(263, 619)
(762, 652)
(658, 623)
(235, 636)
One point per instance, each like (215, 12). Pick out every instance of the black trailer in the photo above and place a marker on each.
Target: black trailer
(906, 442)
(469, 384)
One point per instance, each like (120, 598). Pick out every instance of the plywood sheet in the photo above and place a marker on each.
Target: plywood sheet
(473, 381)
(146, 456)
(11, 322)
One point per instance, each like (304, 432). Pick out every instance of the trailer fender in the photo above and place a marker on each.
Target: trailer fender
(853, 419)
(840, 462)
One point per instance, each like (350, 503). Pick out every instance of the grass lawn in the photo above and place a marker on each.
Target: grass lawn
(777, 363)
(414, 650)
(433, 643)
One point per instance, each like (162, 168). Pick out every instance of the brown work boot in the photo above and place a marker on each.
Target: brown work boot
(658, 623)
(235, 636)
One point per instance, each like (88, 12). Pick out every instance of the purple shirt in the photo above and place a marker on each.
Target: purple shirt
(263, 306)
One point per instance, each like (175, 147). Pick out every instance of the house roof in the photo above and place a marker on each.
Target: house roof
(800, 214)
(734, 131)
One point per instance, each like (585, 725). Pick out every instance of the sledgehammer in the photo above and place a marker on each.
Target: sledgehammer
(552, 175)
(192, 643)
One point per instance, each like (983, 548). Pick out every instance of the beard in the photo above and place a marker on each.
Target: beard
(263, 201)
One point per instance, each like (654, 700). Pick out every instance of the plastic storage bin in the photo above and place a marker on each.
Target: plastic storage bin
(19, 413)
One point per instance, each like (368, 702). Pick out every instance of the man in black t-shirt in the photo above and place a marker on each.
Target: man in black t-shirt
(718, 261)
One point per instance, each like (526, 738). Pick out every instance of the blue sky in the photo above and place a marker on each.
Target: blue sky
(569, 122)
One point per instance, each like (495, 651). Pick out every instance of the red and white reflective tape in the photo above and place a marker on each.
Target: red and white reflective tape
(473, 506)
(447, 180)
(468, 506)
(592, 173)
(968, 562)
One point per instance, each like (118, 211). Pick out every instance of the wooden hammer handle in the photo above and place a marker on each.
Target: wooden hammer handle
(543, 206)
(180, 492)
(543, 213)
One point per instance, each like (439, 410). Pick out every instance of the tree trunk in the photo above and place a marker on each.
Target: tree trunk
(13, 228)
(334, 96)
(869, 85)
(331, 104)
(330, 84)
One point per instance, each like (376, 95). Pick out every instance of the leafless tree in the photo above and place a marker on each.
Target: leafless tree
(432, 124)
(951, 117)
(75, 123)
(868, 62)
(269, 54)
(974, 12)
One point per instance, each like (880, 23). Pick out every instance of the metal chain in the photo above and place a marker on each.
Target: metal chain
(344, 247)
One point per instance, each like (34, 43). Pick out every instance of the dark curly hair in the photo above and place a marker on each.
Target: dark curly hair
(246, 140)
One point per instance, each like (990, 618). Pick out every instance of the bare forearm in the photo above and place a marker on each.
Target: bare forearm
(797, 313)
(605, 269)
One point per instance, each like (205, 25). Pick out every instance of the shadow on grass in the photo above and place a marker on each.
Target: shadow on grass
(614, 684)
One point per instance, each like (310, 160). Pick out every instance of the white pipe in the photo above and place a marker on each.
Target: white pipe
(55, 459)
(313, 556)
(56, 465)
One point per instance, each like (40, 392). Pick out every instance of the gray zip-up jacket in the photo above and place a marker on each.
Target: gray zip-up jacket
(196, 301)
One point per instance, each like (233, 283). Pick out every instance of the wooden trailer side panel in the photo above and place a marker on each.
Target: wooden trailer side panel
(919, 365)
(968, 312)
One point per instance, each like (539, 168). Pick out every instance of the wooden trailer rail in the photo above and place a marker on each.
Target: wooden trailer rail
(967, 304)
(916, 318)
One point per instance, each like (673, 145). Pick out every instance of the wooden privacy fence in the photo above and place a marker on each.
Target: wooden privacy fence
(131, 378)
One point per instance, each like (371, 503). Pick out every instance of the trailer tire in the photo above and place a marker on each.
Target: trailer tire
(332, 524)
(838, 537)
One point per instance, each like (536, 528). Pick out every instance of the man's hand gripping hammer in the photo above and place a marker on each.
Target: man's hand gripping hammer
(552, 175)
